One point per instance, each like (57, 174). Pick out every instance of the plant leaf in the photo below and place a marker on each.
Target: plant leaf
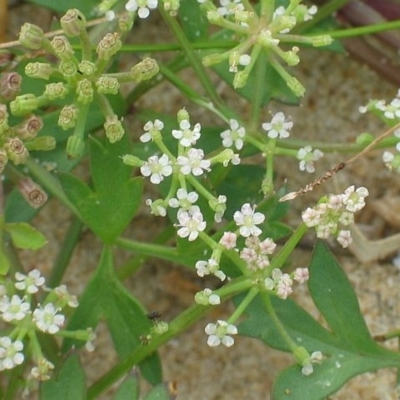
(25, 236)
(106, 298)
(129, 388)
(69, 382)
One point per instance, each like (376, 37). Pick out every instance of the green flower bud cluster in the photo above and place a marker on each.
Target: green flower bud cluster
(17, 140)
(262, 35)
(83, 78)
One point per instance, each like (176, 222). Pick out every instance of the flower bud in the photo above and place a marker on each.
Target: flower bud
(3, 159)
(31, 36)
(108, 46)
(6, 59)
(16, 151)
(75, 147)
(131, 160)
(38, 70)
(55, 91)
(295, 86)
(321, 40)
(182, 115)
(106, 5)
(144, 70)
(84, 90)
(29, 128)
(10, 85)
(86, 68)
(240, 79)
(41, 143)
(68, 116)
(62, 48)
(73, 22)
(107, 85)
(32, 192)
(3, 119)
(125, 22)
(24, 104)
(68, 69)
(114, 129)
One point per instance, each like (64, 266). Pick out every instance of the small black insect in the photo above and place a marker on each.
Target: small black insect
(153, 315)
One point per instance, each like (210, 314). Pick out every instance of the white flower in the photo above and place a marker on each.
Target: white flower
(31, 282)
(278, 127)
(47, 319)
(144, 6)
(315, 358)
(10, 353)
(344, 238)
(209, 267)
(110, 15)
(193, 162)
(207, 297)
(311, 217)
(390, 111)
(234, 135)
(307, 156)
(219, 206)
(354, 199)
(14, 310)
(191, 223)
(230, 7)
(186, 136)
(247, 220)
(183, 200)
(151, 128)
(157, 168)
(220, 333)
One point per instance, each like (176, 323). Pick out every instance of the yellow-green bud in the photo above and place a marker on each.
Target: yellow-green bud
(3, 159)
(16, 151)
(107, 85)
(144, 70)
(125, 22)
(87, 68)
(108, 46)
(295, 86)
(240, 79)
(31, 36)
(38, 70)
(68, 116)
(84, 91)
(131, 160)
(322, 40)
(73, 23)
(75, 147)
(3, 119)
(41, 143)
(114, 129)
(24, 104)
(182, 115)
(62, 48)
(68, 69)
(55, 91)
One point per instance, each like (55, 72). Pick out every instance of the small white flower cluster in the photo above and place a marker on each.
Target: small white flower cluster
(220, 333)
(307, 156)
(315, 358)
(279, 127)
(390, 111)
(16, 310)
(142, 7)
(282, 283)
(334, 210)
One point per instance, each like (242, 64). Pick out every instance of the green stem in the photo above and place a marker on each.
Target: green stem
(258, 89)
(277, 322)
(51, 184)
(194, 61)
(287, 249)
(253, 292)
(364, 30)
(65, 254)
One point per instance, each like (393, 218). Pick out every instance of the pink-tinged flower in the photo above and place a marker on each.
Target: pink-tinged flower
(301, 275)
(344, 238)
(228, 240)
(247, 219)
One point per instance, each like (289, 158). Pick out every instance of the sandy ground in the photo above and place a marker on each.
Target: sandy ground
(336, 87)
